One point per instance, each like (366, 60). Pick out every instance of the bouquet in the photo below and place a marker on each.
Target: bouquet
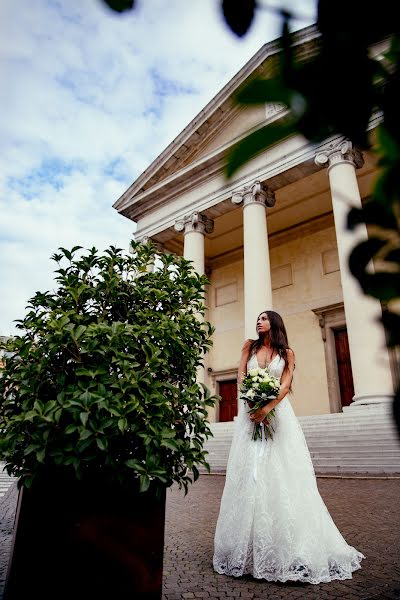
(257, 389)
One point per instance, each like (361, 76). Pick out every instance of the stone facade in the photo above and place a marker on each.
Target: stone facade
(273, 236)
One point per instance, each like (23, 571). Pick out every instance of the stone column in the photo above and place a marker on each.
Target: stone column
(195, 226)
(368, 351)
(257, 271)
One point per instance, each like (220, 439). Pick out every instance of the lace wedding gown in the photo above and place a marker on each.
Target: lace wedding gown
(273, 523)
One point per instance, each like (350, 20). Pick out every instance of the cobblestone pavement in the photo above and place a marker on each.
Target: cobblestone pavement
(7, 514)
(366, 512)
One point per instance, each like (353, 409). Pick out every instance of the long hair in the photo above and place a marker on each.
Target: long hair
(277, 335)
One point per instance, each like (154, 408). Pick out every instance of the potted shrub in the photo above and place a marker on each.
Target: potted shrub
(99, 413)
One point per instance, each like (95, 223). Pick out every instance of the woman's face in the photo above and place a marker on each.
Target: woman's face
(263, 324)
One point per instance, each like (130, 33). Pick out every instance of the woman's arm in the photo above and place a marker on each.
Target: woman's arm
(286, 380)
(244, 357)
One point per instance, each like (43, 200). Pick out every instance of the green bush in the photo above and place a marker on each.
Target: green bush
(103, 378)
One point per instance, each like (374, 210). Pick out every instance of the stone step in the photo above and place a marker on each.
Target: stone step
(356, 416)
(344, 461)
(364, 470)
(5, 480)
(317, 438)
(317, 422)
(340, 426)
(372, 437)
(353, 452)
(327, 440)
(329, 423)
(359, 453)
(361, 440)
(320, 460)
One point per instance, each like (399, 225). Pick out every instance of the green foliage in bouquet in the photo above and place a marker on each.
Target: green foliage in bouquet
(257, 389)
(102, 379)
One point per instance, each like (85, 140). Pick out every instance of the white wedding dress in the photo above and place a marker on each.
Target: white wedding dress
(273, 523)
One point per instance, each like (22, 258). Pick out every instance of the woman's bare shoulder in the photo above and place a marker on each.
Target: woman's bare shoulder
(246, 345)
(290, 353)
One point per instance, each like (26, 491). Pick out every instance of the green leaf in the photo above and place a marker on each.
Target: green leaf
(372, 213)
(239, 15)
(40, 455)
(389, 145)
(84, 417)
(79, 331)
(134, 464)
(168, 433)
(384, 286)
(70, 429)
(31, 414)
(84, 444)
(31, 448)
(195, 473)
(101, 443)
(122, 424)
(171, 444)
(120, 5)
(391, 322)
(362, 254)
(144, 483)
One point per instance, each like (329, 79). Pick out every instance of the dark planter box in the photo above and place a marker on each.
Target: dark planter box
(89, 540)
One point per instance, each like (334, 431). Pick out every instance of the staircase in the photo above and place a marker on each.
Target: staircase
(360, 440)
(5, 480)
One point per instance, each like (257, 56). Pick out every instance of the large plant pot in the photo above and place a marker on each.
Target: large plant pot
(87, 540)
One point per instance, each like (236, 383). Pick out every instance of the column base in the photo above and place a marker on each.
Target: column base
(371, 401)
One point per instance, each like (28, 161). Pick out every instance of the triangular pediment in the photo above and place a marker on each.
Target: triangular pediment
(229, 128)
(218, 124)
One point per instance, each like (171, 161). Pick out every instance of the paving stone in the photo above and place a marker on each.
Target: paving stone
(365, 511)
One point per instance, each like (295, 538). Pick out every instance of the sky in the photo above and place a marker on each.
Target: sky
(88, 99)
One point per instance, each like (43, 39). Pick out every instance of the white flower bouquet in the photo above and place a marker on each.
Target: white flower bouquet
(258, 388)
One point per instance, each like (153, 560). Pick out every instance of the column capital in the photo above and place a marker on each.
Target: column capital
(339, 151)
(195, 222)
(256, 192)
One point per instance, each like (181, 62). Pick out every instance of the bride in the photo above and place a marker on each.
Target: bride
(273, 523)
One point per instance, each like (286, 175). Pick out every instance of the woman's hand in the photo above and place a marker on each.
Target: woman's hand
(260, 415)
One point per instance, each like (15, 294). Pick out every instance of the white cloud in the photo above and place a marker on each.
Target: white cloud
(89, 99)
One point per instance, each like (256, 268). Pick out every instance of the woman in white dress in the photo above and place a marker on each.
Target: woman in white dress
(273, 523)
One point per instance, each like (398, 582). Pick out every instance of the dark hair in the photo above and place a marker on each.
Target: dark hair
(277, 335)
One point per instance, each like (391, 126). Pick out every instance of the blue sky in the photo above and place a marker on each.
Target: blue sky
(89, 98)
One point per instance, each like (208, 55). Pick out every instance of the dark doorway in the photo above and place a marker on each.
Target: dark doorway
(344, 366)
(228, 403)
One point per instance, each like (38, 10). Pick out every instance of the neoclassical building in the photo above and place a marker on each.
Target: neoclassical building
(272, 237)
